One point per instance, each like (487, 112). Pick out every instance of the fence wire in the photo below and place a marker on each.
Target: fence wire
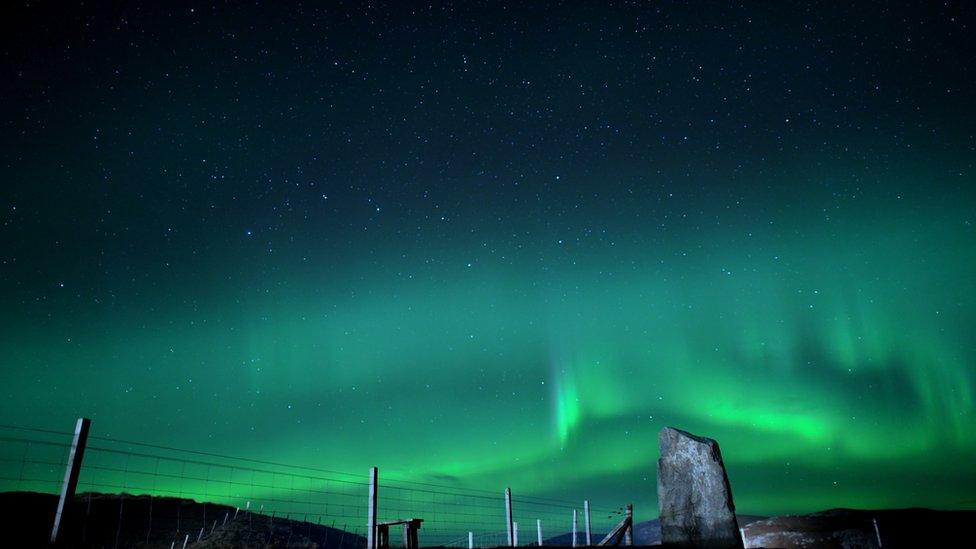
(133, 492)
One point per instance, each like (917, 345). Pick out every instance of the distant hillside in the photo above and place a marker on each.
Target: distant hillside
(157, 522)
(645, 533)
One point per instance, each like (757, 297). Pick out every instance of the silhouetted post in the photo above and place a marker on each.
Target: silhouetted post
(371, 511)
(586, 522)
(574, 528)
(509, 525)
(629, 532)
(71, 472)
(538, 530)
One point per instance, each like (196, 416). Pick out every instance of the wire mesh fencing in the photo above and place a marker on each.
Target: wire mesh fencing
(131, 492)
(456, 516)
(32, 460)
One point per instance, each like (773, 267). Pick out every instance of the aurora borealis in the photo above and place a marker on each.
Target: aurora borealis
(502, 244)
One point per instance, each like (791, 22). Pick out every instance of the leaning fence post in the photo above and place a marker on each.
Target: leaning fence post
(586, 522)
(371, 511)
(574, 527)
(71, 472)
(538, 529)
(629, 532)
(508, 517)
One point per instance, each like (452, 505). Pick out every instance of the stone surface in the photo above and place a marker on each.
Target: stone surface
(693, 493)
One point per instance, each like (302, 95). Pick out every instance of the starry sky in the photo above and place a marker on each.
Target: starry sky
(502, 244)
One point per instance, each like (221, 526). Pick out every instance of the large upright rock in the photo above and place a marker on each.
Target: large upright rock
(693, 494)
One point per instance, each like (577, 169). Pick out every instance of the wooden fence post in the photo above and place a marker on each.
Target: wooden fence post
(515, 534)
(538, 528)
(470, 540)
(371, 512)
(586, 522)
(508, 517)
(574, 528)
(629, 532)
(71, 472)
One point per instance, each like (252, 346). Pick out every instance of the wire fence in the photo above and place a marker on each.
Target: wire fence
(132, 492)
(32, 459)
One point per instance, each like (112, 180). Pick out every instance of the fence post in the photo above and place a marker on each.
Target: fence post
(574, 528)
(371, 512)
(515, 534)
(470, 540)
(538, 528)
(586, 522)
(71, 472)
(629, 532)
(508, 517)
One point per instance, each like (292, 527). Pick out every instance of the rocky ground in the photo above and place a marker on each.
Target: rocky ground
(849, 528)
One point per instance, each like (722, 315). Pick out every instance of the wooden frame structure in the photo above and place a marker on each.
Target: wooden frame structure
(410, 527)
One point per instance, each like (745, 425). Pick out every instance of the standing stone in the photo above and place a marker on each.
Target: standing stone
(693, 493)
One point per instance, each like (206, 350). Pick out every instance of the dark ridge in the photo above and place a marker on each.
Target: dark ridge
(153, 522)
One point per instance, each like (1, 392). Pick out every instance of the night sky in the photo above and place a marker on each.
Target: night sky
(502, 244)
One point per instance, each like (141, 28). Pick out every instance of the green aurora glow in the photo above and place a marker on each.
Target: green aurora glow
(802, 295)
(834, 370)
